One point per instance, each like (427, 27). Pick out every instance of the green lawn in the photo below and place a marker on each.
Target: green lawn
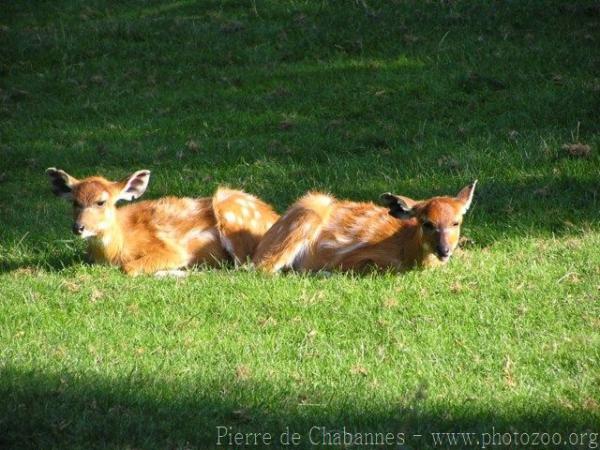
(280, 97)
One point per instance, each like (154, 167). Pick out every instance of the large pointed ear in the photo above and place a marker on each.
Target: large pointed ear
(400, 206)
(62, 183)
(134, 186)
(465, 196)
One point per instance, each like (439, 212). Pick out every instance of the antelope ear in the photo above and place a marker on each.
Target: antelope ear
(400, 207)
(62, 182)
(465, 196)
(134, 186)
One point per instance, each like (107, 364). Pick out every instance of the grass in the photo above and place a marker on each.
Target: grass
(354, 98)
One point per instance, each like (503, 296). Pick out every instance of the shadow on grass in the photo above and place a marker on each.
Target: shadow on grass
(54, 263)
(75, 411)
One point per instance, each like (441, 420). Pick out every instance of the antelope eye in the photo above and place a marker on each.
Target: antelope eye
(101, 203)
(428, 226)
(455, 224)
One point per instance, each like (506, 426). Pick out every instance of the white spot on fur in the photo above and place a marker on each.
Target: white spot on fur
(200, 234)
(257, 214)
(324, 200)
(189, 203)
(269, 224)
(242, 202)
(245, 211)
(180, 209)
(87, 234)
(230, 217)
(222, 195)
(343, 239)
(253, 224)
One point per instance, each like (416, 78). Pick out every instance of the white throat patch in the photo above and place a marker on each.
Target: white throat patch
(87, 234)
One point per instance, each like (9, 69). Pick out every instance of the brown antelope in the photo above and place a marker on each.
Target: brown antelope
(320, 232)
(164, 234)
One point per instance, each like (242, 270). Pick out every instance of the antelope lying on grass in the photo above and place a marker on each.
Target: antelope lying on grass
(164, 234)
(320, 232)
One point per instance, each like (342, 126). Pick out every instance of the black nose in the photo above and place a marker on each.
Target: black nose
(77, 228)
(443, 251)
